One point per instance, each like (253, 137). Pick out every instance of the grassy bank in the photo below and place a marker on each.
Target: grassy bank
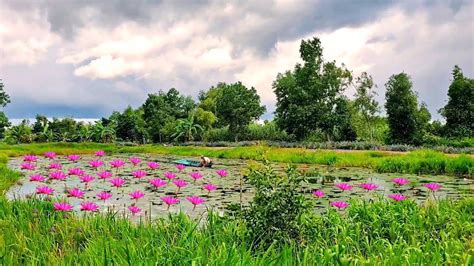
(415, 162)
(378, 233)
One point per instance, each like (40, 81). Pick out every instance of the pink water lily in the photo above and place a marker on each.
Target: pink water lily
(400, 181)
(117, 163)
(27, 166)
(343, 186)
(58, 175)
(180, 167)
(50, 155)
(134, 209)
(62, 206)
(96, 163)
(86, 178)
(222, 173)
(397, 197)
(209, 187)
(30, 158)
(195, 175)
(369, 186)
(76, 193)
(104, 174)
(135, 161)
(170, 200)
(433, 186)
(100, 153)
(76, 171)
(341, 205)
(37, 178)
(89, 206)
(195, 200)
(55, 165)
(153, 165)
(180, 183)
(139, 174)
(104, 195)
(136, 195)
(117, 182)
(170, 175)
(45, 190)
(73, 157)
(157, 182)
(318, 193)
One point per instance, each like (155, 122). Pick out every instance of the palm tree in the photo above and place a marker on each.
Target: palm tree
(19, 134)
(186, 128)
(104, 134)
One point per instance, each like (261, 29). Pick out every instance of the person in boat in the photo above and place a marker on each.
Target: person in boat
(205, 161)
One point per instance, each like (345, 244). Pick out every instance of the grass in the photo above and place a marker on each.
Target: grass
(415, 162)
(377, 233)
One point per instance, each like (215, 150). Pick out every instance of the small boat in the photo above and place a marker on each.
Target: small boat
(188, 162)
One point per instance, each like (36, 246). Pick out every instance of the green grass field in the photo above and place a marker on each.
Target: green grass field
(368, 233)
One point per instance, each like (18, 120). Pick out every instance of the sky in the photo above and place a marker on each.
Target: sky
(85, 59)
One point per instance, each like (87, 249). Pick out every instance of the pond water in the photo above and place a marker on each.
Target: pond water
(228, 188)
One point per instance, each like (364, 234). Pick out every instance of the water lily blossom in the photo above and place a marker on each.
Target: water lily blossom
(76, 193)
(27, 166)
(62, 206)
(134, 209)
(170, 175)
(195, 200)
(117, 182)
(397, 197)
(86, 178)
(195, 175)
(399, 181)
(341, 205)
(136, 195)
(37, 178)
(433, 186)
(73, 157)
(135, 161)
(139, 174)
(57, 175)
(369, 186)
(30, 158)
(104, 174)
(55, 165)
(170, 200)
(45, 190)
(100, 153)
(49, 155)
(96, 163)
(180, 167)
(89, 206)
(157, 182)
(209, 187)
(76, 171)
(318, 193)
(104, 195)
(221, 173)
(180, 183)
(343, 186)
(153, 165)
(117, 163)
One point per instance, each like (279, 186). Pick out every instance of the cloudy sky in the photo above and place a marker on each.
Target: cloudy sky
(87, 58)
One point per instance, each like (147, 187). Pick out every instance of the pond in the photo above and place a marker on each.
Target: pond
(228, 189)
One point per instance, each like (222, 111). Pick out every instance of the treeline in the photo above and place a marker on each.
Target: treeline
(311, 106)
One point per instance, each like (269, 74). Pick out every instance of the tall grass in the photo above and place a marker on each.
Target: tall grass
(415, 162)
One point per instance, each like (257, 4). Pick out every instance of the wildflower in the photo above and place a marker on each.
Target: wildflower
(55, 165)
(433, 186)
(76, 193)
(169, 175)
(37, 178)
(96, 163)
(169, 200)
(400, 181)
(341, 205)
(117, 163)
(76, 171)
(89, 206)
(135, 161)
(180, 183)
(86, 178)
(157, 182)
(62, 206)
(137, 195)
(50, 155)
(139, 174)
(58, 175)
(30, 158)
(153, 165)
(195, 175)
(222, 173)
(318, 193)
(344, 186)
(27, 166)
(195, 200)
(45, 190)
(209, 187)
(100, 153)
(104, 195)
(134, 209)
(369, 186)
(104, 174)
(180, 167)
(397, 197)
(73, 157)
(117, 182)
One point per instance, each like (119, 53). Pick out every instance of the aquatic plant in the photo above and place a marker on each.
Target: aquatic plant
(135, 195)
(62, 206)
(89, 206)
(76, 193)
(49, 155)
(139, 174)
(169, 200)
(55, 165)
(195, 200)
(117, 163)
(135, 160)
(400, 181)
(104, 174)
(96, 163)
(343, 186)
(369, 186)
(222, 173)
(170, 175)
(37, 178)
(57, 175)
(397, 197)
(74, 157)
(341, 205)
(45, 190)
(27, 166)
(318, 193)
(117, 182)
(153, 165)
(30, 158)
(157, 182)
(100, 153)
(76, 171)
(104, 195)
(180, 167)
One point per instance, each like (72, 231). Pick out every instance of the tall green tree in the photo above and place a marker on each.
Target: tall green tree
(365, 106)
(130, 126)
(4, 100)
(459, 111)
(406, 119)
(186, 129)
(310, 97)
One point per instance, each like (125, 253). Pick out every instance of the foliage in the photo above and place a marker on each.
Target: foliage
(310, 98)
(4, 97)
(459, 111)
(130, 126)
(366, 108)
(4, 124)
(186, 129)
(19, 134)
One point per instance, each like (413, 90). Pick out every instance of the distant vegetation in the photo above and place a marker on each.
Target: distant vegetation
(311, 108)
